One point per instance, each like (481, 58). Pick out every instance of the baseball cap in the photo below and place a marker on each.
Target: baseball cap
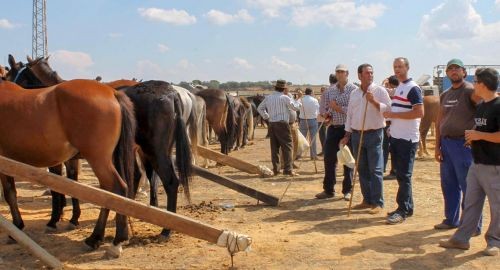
(341, 67)
(456, 62)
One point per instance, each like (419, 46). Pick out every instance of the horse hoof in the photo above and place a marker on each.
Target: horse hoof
(71, 227)
(50, 229)
(11, 241)
(114, 252)
(92, 243)
(163, 238)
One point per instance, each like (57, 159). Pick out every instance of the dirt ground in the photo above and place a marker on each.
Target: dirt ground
(302, 233)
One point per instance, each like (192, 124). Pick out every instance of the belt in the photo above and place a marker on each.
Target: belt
(366, 131)
(454, 137)
(337, 126)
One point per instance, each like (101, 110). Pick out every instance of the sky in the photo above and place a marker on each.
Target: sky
(252, 40)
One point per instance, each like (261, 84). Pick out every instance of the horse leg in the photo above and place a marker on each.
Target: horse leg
(10, 195)
(109, 180)
(171, 184)
(153, 183)
(72, 171)
(58, 203)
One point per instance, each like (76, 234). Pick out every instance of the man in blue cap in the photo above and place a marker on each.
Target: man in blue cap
(456, 114)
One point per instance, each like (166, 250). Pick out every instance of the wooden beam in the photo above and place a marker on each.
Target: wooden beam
(29, 244)
(111, 201)
(233, 162)
(229, 183)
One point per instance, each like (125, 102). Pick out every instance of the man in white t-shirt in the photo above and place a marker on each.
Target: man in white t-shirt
(406, 111)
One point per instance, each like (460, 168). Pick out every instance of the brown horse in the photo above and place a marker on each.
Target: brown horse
(23, 76)
(220, 116)
(431, 108)
(160, 114)
(50, 125)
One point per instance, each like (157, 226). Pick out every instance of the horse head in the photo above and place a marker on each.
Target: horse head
(22, 75)
(42, 70)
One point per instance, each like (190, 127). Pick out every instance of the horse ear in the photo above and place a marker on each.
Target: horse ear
(47, 58)
(12, 61)
(30, 60)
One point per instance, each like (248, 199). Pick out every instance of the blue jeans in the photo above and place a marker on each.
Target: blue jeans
(309, 126)
(370, 165)
(454, 168)
(403, 153)
(333, 137)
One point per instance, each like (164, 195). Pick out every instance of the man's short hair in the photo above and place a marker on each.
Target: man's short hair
(309, 91)
(332, 79)
(362, 66)
(489, 77)
(393, 80)
(405, 60)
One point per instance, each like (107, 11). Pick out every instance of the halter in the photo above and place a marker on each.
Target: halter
(19, 74)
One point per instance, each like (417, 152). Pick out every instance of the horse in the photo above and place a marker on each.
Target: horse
(245, 122)
(255, 101)
(48, 126)
(431, 108)
(220, 116)
(156, 105)
(22, 75)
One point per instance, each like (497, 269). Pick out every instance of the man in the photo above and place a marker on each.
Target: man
(390, 85)
(276, 108)
(406, 111)
(334, 103)
(364, 113)
(456, 114)
(484, 174)
(307, 119)
(294, 130)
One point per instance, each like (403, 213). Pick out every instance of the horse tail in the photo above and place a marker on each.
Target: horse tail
(124, 154)
(250, 123)
(193, 126)
(182, 150)
(230, 124)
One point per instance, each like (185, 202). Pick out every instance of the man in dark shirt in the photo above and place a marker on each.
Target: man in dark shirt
(456, 114)
(483, 178)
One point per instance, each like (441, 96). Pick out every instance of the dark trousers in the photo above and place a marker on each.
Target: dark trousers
(333, 137)
(386, 147)
(281, 138)
(403, 152)
(322, 135)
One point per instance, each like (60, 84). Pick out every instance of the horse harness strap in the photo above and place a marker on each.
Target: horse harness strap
(19, 74)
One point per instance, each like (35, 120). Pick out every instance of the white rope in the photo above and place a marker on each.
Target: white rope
(234, 242)
(265, 171)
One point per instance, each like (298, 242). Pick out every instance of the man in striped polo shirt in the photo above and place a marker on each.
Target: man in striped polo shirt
(406, 111)
(276, 108)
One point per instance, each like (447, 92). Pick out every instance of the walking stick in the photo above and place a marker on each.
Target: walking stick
(357, 158)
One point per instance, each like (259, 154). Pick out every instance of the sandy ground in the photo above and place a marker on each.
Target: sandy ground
(302, 233)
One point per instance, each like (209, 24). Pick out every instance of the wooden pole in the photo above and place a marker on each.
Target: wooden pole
(231, 161)
(111, 201)
(219, 179)
(29, 244)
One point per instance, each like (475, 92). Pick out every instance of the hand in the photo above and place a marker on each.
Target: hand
(388, 114)
(370, 97)
(335, 106)
(438, 155)
(472, 135)
(343, 141)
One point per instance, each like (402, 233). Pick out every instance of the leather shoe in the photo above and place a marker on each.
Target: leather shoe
(452, 243)
(375, 210)
(444, 226)
(362, 205)
(324, 195)
(292, 173)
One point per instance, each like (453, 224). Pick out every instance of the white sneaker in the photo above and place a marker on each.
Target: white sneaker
(491, 251)
(347, 196)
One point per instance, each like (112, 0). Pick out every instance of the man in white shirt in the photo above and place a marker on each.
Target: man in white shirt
(307, 119)
(375, 100)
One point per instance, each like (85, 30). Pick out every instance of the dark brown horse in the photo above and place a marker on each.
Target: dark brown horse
(220, 116)
(51, 125)
(159, 112)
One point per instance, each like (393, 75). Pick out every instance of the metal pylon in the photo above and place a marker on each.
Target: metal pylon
(39, 35)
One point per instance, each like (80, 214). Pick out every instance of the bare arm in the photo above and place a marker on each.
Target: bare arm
(474, 135)
(417, 111)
